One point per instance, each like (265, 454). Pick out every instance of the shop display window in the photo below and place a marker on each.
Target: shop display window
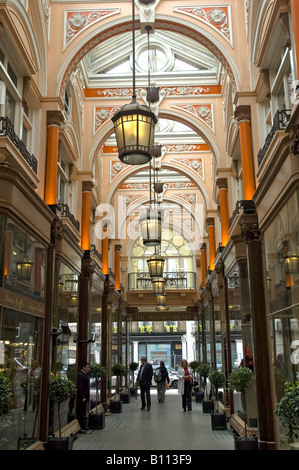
(20, 361)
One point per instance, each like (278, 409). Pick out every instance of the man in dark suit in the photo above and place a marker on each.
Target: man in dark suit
(83, 390)
(144, 377)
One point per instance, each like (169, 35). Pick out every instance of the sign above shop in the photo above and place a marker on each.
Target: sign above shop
(21, 303)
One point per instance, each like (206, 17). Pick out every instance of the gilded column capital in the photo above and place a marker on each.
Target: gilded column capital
(250, 229)
(243, 113)
(54, 118)
(57, 230)
(87, 186)
(210, 221)
(222, 183)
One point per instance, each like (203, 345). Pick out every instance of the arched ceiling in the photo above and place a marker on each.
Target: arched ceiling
(177, 62)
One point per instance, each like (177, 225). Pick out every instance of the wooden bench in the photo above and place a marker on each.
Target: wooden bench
(238, 425)
(39, 445)
(69, 430)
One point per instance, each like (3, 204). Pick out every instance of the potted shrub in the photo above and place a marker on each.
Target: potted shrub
(288, 410)
(133, 366)
(239, 381)
(204, 369)
(119, 370)
(217, 379)
(5, 394)
(96, 419)
(60, 390)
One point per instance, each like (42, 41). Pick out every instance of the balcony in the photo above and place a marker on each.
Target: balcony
(7, 130)
(174, 281)
(280, 122)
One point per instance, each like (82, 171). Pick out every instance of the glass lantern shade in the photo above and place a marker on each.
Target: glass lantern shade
(134, 127)
(150, 225)
(24, 270)
(158, 284)
(291, 263)
(162, 308)
(161, 300)
(155, 265)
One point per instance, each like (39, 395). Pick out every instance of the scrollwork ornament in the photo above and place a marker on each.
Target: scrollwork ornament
(251, 233)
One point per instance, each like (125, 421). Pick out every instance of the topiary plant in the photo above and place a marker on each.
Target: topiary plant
(97, 372)
(239, 381)
(288, 409)
(5, 393)
(133, 366)
(60, 390)
(217, 379)
(119, 370)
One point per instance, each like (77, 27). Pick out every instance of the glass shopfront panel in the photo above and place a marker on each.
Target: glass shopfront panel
(20, 360)
(65, 321)
(282, 263)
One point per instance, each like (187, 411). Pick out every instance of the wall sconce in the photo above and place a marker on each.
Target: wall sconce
(24, 269)
(291, 263)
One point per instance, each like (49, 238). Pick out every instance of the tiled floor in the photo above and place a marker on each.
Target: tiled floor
(165, 427)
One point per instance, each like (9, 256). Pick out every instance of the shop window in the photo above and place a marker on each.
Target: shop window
(282, 255)
(24, 265)
(20, 360)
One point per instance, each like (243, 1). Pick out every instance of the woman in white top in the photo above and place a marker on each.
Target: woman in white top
(184, 385)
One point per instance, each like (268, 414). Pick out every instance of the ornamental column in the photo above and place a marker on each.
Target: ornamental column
(212, 242)
(54, 120)
(263, 363)
(295, 20)
(224, 217)
(117, 267)
(243, 116)
(105, 251)
(203, 252)
(85, 224)
(43, 415)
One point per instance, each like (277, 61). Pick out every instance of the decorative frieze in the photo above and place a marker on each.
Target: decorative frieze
(218, 17)
(77, 21)
(204, 112)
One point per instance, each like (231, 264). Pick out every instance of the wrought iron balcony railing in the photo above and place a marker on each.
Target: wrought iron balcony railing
(7, 130)
(280, 122)
(65, 212)
(174, 280)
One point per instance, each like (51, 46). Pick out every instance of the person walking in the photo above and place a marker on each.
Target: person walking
(161, 377)
(144, 378)
(83, 391)
(184, 385)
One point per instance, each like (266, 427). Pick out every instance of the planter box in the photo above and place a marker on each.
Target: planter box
(96, 420)
(242, 443)
(218, 421)
(56, 443)
(125, 397)
(115, 406)
(207, 406)
(199, 397)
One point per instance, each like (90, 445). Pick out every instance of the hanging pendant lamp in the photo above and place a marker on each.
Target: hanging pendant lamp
(161, 300)
(151, 227)
(155, 265)
(134, 125)
(158, 284)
